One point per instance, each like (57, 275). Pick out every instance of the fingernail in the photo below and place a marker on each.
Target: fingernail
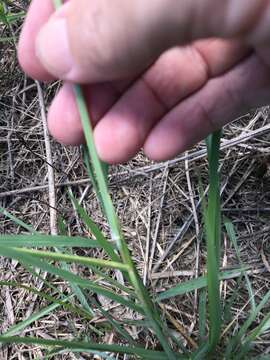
(52, 47)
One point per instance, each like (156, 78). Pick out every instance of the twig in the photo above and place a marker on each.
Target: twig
(177, 238)
(166, 173)
(264, 258)
(143, 171)
(51, 182)
(41, 188)
(176, 257)
(180, 328)
(241, 182)
(191, 196)
(199, 154)
(171, 274)
(148, 236)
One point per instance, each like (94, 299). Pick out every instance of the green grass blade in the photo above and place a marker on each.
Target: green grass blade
(117, 327)
(92, 176)
(11, 18)
(75, 288)
(212, 224)
(90, 262)
(90, 171)
(152, 313)
(237, 338)
(105, 168)
(228, 306)
(201, 352)
(36, 274)
(61, 226)
(3, 16)
(17, 221)
(247, 343)
(53, 353)
(102, 184)
(116, 232)
(63, 301)
(70, 277)
(16, 329)
(196, 284)
(39, 240)
(128, 350)
(6, 39)
(103, 242)
(232, 236)
(114, 283)
(202, 314)
(78, 292)
(266, 325)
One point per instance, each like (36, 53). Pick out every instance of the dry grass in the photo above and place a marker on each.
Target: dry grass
(155, 204)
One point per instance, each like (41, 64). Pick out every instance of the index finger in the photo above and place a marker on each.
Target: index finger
(38, 14)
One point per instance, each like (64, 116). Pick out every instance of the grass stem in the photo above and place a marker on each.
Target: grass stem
(213, 233)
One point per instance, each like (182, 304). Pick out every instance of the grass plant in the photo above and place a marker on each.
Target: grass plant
(54, 255)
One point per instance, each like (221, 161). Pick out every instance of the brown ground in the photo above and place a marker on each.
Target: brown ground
(157, 205)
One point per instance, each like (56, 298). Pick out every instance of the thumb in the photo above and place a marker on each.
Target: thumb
(103, 40)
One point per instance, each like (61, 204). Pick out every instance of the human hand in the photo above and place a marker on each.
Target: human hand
(157, 74)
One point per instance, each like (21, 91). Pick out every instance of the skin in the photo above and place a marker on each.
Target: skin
(158, 75)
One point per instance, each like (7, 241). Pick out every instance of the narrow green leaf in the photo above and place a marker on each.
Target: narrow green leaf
(92, 175)
(3, 16)
(114, 283)
(202, 314)
(11, 18)
(266, 325)
(62, 301)
(212, 223)
(70, 258)
(40, 240)
(16, 329)
(75, 288)
(103, 242)
(201, 352)
(105, 168)
(61, 225)
(60, 351)
(78, 292)
(117, 327)
(116, 232)
(17, 221)
(68, 276)
(152, 313)
(6, 39)
(195, 284)
(232, 236)
(235, 340)
(128, 350)
(228, 306)
(247, 343)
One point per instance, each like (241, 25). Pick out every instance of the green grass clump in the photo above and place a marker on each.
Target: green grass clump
(53, 255)
(7, 18)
